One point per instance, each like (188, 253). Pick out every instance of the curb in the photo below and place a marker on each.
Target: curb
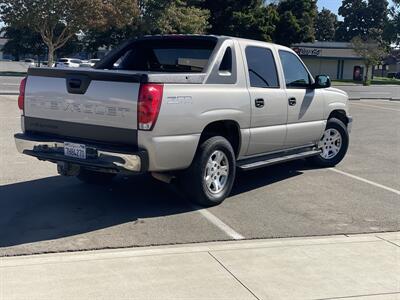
(377, 99)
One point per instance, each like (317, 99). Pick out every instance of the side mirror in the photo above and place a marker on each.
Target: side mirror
(322, 82)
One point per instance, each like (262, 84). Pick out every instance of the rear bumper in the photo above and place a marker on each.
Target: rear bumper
(99, 157)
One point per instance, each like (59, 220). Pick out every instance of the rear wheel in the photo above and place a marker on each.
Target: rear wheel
(210, 178)
(94, 177)
(334, 144)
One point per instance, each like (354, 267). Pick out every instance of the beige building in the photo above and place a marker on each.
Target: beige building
(336, 59)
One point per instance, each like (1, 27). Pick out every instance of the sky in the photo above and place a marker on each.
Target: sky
(332, 5)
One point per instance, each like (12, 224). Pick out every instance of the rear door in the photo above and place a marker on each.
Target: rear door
(305, 122)
(268, 100)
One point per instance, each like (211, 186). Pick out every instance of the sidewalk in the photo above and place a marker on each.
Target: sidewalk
(336, 267)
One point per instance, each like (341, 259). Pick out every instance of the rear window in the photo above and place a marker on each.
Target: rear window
(180, 56)
(63, 60)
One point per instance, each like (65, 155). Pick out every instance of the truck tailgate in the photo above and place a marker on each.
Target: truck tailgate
(83, 104)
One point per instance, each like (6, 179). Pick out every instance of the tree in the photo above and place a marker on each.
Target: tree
(361, 18)
(377, 14)
(391, 32)
(325, 25)
(155, 17)
(94, 39)
(45, 16)
(242, 18)
(288, 30)
(354, 13)
(23, 41)
(371, 51)
(178, 17)
(297, 21)
(258, 24)
(172, 16)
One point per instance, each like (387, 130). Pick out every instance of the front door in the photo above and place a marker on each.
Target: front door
(268, 101)
(305, 123)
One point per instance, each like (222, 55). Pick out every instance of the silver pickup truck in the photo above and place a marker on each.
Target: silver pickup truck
(185, 107)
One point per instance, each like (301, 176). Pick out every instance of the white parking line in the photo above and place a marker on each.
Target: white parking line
(221, 225)
(375, 106)
(366, 181)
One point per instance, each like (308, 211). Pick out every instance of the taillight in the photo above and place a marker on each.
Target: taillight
(21, 97)
(149, 102)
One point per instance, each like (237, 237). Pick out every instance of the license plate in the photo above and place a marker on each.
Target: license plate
(75, 150)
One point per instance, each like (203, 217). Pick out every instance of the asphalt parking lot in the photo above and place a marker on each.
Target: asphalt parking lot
(42, 212)
(9, 84)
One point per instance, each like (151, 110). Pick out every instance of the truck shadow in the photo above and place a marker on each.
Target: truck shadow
(58, 207)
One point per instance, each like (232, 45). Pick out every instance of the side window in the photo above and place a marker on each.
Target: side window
(226, 63)
(261, 67)
(296, 74)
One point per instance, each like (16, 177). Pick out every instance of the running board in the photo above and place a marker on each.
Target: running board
(245, 166)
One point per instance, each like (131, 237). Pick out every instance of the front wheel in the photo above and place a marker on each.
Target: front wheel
(210, 178)
(334, 144)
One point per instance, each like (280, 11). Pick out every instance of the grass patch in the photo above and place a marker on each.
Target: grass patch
(385, 80)
(17, 74)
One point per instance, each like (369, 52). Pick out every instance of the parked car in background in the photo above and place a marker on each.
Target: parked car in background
(30, 62)
(68, 63)
(46, 64)
(90, 63)
(394, 75)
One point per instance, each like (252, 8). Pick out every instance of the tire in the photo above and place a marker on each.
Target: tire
(205, 182)
(334, 149)
(94, 177)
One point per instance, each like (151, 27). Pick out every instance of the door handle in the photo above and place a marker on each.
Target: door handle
(292, 101)
(259, 102)
(74, 83)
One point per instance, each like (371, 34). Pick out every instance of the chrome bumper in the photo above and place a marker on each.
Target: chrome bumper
(51, 150)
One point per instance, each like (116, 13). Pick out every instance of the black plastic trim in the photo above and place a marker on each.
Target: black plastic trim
(114, 75)
(92, 74)
(81, 132)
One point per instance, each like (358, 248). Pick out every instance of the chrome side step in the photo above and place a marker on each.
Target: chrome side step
(245, 165)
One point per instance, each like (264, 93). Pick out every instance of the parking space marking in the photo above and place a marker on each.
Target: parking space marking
(221, 225)
(366, 181)
(375, 106)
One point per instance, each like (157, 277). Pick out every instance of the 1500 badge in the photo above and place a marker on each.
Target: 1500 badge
(179, 100)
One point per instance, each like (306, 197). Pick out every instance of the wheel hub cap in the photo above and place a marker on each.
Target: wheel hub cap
(331, 143)
(216, 172)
